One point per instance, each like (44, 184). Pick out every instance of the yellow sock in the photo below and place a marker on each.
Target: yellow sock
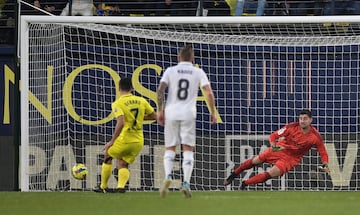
(106, 170)
(123, 177)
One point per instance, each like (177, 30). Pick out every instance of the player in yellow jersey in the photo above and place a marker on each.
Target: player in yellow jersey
(127, 141)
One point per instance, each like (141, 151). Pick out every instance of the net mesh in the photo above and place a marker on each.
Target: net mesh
(261, 74)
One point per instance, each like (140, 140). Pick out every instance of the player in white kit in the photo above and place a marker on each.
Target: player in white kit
(178, 115)
(79, 8)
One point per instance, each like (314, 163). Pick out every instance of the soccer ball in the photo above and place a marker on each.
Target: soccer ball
(79, 171)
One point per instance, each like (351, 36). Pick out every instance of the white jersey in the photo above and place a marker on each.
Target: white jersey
(79, 7)
(183, 81)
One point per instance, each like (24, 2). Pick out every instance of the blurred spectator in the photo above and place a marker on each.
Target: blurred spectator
(130, 7)
(79, 8)
(307, 7)
(241, 4)
(165, 8)
(217, 8)
(7, 10)
(2, 5)
(343, 7)
(52, 6)
(38, 7)
(278, 8)
(108, 10)
(31, 10)
(175, 7)
(7, 23)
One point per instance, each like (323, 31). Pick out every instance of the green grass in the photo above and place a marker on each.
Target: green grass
(202, 203)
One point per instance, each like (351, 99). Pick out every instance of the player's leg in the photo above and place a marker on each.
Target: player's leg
(169, 158)
(187, 167)
(127, 154)
(172, 138)
(123, 174)
(262, 177)
(282, 164)
(106, 169)
(188, 139)
(248, 164)
(243, 166)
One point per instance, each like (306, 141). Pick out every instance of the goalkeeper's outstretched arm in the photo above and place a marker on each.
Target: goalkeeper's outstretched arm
(325, 168)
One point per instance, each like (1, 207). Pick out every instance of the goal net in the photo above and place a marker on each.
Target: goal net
(263, 70)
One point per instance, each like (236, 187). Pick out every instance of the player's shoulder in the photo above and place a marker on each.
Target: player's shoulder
(315, 132)
(142, 100)
(116, 107)
(135, 97)
(171, 68)
(116, 102)
(293, 124)
(168, 71)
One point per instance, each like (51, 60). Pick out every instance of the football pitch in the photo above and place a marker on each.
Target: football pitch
(202, 203)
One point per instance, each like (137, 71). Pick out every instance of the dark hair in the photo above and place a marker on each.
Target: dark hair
(187, 53)
(305, 111)
(125, 84)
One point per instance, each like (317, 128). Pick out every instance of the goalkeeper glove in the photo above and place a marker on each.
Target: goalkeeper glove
(276, 148)
(325, 168)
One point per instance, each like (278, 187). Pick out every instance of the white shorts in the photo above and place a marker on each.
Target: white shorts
(180, 132)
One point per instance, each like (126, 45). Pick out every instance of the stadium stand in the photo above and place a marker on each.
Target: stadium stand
(175, 8)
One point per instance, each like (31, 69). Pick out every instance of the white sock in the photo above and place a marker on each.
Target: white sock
(188, 165)
(169, 158)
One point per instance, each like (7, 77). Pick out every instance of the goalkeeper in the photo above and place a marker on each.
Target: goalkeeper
(288, 145)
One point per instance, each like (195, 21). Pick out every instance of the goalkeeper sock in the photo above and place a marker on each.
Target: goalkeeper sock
(244, 166)
(259, 178)
(188, 165)
(124, 175)
(105, 174)
(169, 158)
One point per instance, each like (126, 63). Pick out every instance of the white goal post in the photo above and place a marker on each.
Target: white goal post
(263, 70)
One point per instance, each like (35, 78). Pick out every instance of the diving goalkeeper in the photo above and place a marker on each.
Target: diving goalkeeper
(287, 147)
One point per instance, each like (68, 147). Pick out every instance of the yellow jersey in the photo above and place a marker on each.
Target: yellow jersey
(133, 108)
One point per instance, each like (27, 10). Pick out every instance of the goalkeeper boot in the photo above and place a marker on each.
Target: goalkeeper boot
(185, 189)
(165, 188)
(242, 186)
(229, 179)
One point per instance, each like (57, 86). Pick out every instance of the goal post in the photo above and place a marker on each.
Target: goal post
(263, 70)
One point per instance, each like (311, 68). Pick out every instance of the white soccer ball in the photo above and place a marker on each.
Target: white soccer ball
(79, 171)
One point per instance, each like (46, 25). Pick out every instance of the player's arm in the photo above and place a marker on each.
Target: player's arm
(161, 103)
(209, 94)
(273, 138)
(320, 146)
(117, 131)
(152, 116)
(324, 167)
